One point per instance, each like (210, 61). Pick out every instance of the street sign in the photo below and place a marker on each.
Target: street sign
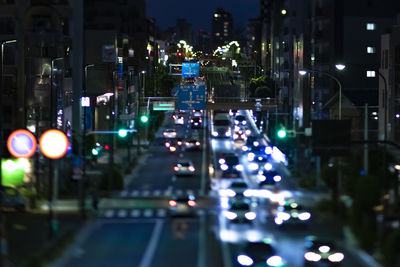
(53, 144)
(167, 105)
(191, 97)
(190, 70)
(21, 143)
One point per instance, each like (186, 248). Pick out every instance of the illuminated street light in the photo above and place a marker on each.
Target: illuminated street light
(340, 66)
(283, 11)
(302, 72)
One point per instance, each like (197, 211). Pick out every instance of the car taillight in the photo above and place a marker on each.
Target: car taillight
(191, 120)
(179, 143)
(172, 203)
(187, 143)
(165, 134)
(172, 148)
(176, 168)
(192, 203)
(197, 143)
(191, 168)
(199, 120)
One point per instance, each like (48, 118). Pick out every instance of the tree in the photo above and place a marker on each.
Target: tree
(262, 81)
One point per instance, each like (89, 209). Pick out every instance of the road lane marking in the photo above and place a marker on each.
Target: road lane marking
(109, 213)
(134, 193)
(161, 213)
(135, 213)
(122, 213)
(152, 246)
(201, 255)
(148, 213)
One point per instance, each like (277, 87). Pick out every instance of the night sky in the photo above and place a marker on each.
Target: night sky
(199, 12)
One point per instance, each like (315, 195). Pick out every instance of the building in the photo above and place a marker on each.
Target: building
(222, 27)
(184, 31)
(253, 45)
(389, 85)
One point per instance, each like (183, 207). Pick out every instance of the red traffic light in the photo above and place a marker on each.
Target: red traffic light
(106, 147)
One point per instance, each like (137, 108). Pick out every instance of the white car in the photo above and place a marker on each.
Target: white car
(184, 167)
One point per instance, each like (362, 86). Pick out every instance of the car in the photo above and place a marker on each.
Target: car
(179, 120)
(240, 211)
(192, 144)
(196, 122)
(260, 253)
(240, 120)
(169, 133)
(319, 251)
(11, 198)
(182, 205)
(197, 113)
(221, 128)
(291, 213)
(184, 167)
(268, 178)
(239, 187)
(230, 165)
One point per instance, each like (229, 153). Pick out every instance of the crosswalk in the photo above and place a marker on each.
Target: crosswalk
(136, 193)
(137, 213)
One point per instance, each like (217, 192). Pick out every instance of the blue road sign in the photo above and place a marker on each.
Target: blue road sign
(191, 96)
(190, 70)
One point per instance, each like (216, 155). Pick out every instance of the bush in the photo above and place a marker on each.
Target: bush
(391, 248)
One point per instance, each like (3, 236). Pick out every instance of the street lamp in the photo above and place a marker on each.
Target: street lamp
(303, 72)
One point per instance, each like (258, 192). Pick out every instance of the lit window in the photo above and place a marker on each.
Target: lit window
(217, 34)
(371, 26)
(370, 50)
(371, 73)
(225, 34)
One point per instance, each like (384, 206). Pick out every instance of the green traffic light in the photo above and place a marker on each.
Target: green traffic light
(122, 133)
(281, 133)
(144, 118)
(95, 152)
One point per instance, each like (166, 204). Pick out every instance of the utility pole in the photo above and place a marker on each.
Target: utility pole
(366, 138)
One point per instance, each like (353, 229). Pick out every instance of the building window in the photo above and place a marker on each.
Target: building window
(371, 26)
(371, 73)
(370, 50)
(217, 34)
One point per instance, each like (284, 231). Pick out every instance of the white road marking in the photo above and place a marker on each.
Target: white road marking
(122, 213)
(109, 213)
(161, 213)
(152, 246)
(148, 213)
(134, 193)
(135, 213)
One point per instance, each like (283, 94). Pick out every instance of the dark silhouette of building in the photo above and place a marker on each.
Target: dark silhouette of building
(222, 27)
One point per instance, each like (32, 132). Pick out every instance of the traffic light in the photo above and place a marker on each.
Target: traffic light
(95, 152)
(122, 132)
(144, 118)
(281, 133)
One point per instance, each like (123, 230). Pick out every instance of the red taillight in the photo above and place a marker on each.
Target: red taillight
(192, 203)
(176, 168)
(172, 203)
(165, 134)
(179, 143)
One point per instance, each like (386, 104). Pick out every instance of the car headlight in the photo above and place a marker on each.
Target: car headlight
(224, 167)
(248, 192)
(256, 143)
(253, 166)
(245, 260)
(221, 161)
(239, 167)
(304, 216)
(312, 256)
(230, 215)
(337, 257)
(251, 215)
(227, 193)
(268, 150)
(268, 166)
(245, 148)
(235, 136)
(275, 261)
(215, 134)
(283, 215)
(261, 177)
(244, 122)
(236, 122)
(248, 132)
(227, 134)
(251, 156)
(277, 178)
